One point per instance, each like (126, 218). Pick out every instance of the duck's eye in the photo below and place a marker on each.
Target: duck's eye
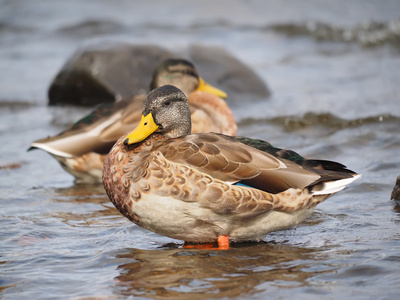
(189, 72)
(167, 102)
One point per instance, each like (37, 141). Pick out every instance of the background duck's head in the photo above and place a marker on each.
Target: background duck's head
(166, 111)
(182, 74)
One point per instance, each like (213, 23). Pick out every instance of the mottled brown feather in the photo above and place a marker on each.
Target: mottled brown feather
(233, 162)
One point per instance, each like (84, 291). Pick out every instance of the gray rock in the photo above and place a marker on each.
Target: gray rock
(100, 75)
(226, 72)
(106, 74)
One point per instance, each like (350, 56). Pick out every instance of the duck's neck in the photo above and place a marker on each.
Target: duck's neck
(154, 140)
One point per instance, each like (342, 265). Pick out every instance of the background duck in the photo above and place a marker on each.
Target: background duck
(82, 148)
(209, 187)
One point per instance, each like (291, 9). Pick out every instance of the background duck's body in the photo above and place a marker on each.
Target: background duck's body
(82, 148)
(202, 186)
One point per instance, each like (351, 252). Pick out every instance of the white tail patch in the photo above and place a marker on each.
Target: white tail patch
(331, 187)
(51, 150)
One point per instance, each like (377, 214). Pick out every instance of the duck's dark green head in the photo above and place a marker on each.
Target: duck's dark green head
(166, 111)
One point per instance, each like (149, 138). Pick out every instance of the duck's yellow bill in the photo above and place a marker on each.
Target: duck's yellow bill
(205, 87)
(146, 127)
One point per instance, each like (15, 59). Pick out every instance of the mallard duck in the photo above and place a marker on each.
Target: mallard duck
(82, 148)
(210, 187)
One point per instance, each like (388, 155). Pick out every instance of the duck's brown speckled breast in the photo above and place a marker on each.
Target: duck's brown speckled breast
(123, 166)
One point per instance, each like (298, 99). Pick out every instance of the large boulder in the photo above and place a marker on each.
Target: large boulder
(101, 74)
(223, 70)
(98, 75)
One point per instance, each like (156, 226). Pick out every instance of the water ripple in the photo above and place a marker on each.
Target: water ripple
(292, 123)
(366, 34)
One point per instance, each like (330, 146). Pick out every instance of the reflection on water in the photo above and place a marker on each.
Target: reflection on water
(95, 207)
(179, 274)
(327, 121)
(81, 192)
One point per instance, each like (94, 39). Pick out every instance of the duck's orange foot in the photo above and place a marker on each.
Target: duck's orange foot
(222, 244)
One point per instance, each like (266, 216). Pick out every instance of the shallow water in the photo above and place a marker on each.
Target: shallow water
(333, 70)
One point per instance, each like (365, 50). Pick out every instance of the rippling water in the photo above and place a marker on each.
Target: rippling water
(333, 70)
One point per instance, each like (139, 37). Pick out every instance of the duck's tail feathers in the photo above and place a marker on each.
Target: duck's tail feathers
(50, 150)
(331, 187)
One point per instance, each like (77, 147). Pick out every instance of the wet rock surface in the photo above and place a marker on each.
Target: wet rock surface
(105, 74)
(100, 75)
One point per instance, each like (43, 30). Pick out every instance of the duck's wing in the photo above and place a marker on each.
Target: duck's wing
(96, 132)
(252, 162)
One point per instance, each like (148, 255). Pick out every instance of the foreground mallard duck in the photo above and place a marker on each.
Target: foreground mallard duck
(82, 148)
(211, 187)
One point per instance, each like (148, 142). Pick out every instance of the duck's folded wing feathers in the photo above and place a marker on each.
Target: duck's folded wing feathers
(225, 159)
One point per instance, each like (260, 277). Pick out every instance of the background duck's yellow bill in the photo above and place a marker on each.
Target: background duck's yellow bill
(205, 87)
(146, 127)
